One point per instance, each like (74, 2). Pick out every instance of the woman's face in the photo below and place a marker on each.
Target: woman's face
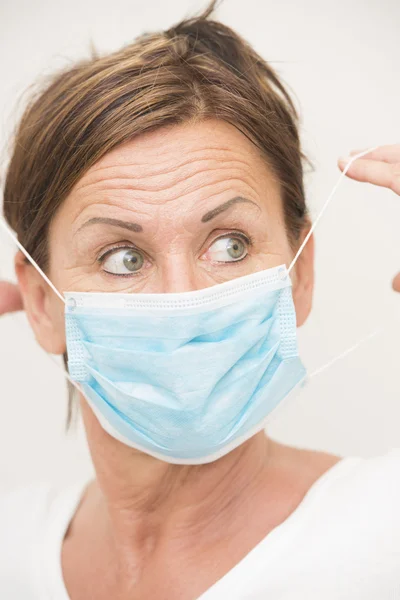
(178, 209)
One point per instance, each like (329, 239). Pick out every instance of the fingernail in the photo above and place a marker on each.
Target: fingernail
(345, 159)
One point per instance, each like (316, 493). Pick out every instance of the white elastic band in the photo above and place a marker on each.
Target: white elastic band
(325, 206)
(51, 356)
(346, 352)
(28, 256)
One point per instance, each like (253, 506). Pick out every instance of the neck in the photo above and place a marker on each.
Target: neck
(148, 502)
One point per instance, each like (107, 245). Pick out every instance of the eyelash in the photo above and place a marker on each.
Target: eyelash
(248, 239)
(120, 246)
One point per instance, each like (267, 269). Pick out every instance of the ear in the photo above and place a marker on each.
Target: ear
(303, 280)
(44, 309)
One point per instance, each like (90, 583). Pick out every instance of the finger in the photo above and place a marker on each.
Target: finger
(10, 298)
(377, 173)
(389, 153)
(396, 283)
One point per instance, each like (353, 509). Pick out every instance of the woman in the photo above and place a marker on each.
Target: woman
(173, 166)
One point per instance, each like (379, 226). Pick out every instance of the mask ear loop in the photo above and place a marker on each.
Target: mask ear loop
(9, 232)
(325, 206)
(346, 352)
(50, 356)
(303, 245)
(29, 257)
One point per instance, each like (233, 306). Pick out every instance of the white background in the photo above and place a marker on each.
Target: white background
(341, 61)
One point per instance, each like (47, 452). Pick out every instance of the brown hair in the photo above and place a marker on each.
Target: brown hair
(196, 69)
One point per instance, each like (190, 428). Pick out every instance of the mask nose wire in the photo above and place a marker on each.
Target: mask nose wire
(29, 257)
(325, 206)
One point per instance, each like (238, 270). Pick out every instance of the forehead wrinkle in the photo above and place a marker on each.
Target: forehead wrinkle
(172, 166)
(183, 140)
(137, 208)
(168, 168)
(184, 162)
(189, 183)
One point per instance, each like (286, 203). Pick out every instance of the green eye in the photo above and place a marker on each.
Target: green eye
(123, 261)
(228, 249)
(235, 248)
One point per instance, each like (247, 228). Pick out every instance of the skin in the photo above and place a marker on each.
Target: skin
(140, 516)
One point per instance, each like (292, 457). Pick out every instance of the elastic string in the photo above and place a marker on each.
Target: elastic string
(29, 257)
(50, 356)
(325, 206)
(346, 352)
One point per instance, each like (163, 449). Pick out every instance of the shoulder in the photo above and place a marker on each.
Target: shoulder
(378, 475)
(22, 517)
(377, 478)
(354, 492)
(22, 511)
(33, 519)
(360, 497)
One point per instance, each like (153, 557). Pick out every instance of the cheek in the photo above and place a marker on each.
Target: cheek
(54, 306)
(59, 249)
(278, 246)
(55, 311)
(281, 236)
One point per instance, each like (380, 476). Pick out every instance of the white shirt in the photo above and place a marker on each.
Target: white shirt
(341, 543)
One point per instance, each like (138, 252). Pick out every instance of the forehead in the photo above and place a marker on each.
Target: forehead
(178, 151)
(174, 172)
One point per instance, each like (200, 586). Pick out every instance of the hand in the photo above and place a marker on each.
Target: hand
(379, 167)
(10, 298)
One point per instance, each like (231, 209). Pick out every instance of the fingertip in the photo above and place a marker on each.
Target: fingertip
(359, 151)
(10, 298)
(396, 283)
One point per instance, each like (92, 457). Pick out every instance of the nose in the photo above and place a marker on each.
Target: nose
(179, 274)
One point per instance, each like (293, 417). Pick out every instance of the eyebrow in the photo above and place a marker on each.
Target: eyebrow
(115, 222)
(222, 207)
(137, 228)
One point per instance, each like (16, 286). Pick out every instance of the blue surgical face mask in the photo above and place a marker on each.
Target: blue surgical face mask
(186, 377)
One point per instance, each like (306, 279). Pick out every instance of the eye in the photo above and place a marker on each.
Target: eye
(123, 261)
(227, 249)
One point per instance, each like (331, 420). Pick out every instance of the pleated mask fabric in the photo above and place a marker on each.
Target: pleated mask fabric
(186, 377)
